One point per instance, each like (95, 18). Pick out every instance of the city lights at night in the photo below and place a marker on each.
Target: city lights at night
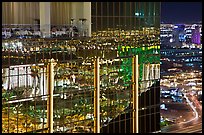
(88, 67)
(181, 67)
(101, 67)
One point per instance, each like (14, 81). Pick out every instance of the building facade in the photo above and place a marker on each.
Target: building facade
(127, 17)
(196, 35)
(119, 29)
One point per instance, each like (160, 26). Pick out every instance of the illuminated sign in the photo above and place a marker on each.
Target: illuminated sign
(146, 55)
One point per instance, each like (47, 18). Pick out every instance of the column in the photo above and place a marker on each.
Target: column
(135, 101)
(96, 96)
(45, 19)
(82, 10)
(76, 9)
(50, 89)
(87, 16)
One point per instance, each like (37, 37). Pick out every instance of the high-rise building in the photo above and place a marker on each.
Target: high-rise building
(179, 33)
(195, 38)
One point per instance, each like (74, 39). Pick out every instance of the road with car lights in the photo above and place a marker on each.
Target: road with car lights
(194, 122)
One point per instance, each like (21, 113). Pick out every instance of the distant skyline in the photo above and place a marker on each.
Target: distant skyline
(181, 12)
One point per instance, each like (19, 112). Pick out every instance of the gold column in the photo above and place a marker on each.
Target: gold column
(50, 86)
(135, 76)
(96, 97)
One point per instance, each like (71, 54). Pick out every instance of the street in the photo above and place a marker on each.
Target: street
(194, 125)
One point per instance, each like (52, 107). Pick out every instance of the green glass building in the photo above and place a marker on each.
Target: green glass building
(138, 23)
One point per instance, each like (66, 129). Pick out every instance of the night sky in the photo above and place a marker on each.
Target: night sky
(181, 12)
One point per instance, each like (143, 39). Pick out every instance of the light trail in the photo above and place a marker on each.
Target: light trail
(189, 129)
(193, 108)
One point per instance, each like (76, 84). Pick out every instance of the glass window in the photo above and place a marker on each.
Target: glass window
(105, 22)
(157, 8)
(132, 9)
(128, 26)
(127, 8)
(93, 8)
(93, 23)
(111, 21)
(116, 9)
(122, 22)
(110, 8)
(117, 23)
(104, 8)
(98, 8)
(122, 9)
